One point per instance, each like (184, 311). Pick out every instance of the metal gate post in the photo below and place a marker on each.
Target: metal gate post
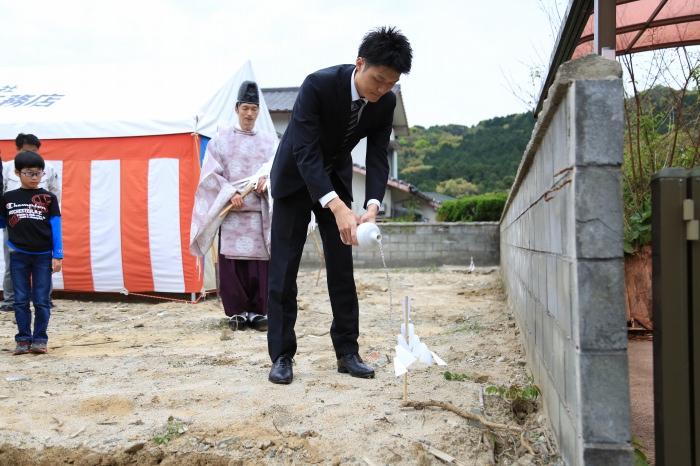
(694, 290)
(672, 397)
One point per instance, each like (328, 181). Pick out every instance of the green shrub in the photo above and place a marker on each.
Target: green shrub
(482, 208)
(637, 232)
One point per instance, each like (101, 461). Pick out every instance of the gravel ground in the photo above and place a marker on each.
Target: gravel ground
(131, 380)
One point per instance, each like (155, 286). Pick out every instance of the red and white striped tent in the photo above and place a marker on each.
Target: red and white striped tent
(127, 140)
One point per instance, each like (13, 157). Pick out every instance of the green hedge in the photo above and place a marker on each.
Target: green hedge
(482, 208)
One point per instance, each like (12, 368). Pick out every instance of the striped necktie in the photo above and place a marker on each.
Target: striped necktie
(355, 108)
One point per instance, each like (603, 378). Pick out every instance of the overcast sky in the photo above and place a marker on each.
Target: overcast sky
(468, 54)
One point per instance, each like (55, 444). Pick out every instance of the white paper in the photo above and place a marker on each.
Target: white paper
(399, 368)
(425, 354)
(405, 356)
(401, 341)
(437, 359)
(414, 345)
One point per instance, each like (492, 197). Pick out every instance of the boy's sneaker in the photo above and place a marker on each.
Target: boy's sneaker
(23, 347)
(38, 347)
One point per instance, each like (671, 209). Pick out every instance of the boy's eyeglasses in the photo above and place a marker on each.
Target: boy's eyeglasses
(33, 174)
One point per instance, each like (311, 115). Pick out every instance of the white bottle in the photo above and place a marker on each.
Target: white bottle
(368, 236)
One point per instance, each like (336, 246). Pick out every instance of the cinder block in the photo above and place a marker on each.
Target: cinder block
(542, 280)
(564, 299)
(395, 256)
(554, 227)
(568, 226)
(598, 229)
(572, 396)
(550, 399)
(601, 305)
(531, 318)
(559, 368)
(605, 397)
(551, 285)
(569, 439)
(598, 140)
(612, 455)
(546, 341)
(399, 238)
(443, 246)
(474, 247)
(539, 329)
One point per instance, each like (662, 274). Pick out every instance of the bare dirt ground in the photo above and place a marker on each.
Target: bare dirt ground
(131, 380)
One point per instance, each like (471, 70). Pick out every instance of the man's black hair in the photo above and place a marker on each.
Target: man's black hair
(24, 139)
(386, 46)
(28, 159)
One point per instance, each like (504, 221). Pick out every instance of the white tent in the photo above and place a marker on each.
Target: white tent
(127, 140)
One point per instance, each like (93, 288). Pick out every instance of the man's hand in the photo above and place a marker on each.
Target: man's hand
(346, 220)
(371, 214)
(262, 186)
(237, 201)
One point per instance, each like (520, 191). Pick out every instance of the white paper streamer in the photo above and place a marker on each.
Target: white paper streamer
(438, 361)
(409, 352)
(414, 345)
(399, 369)
(425, 355)
(402, 360)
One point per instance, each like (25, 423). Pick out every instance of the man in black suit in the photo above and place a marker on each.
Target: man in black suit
(312, 171)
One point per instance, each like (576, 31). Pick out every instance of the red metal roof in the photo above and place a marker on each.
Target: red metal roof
(649, 25)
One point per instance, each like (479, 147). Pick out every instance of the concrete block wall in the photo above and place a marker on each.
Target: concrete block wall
(423, 245)
(562, 262)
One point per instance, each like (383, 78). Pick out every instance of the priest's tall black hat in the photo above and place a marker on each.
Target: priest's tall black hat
(248, 93)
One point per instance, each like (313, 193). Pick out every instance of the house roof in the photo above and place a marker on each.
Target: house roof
(440, 197)
(403, 186)
(281, 100)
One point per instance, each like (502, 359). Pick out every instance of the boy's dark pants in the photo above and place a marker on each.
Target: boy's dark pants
(31, 278)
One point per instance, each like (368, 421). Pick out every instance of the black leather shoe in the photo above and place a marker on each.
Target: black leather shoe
(237, 322)
(281, 371)
(352, 364)
(258, 323)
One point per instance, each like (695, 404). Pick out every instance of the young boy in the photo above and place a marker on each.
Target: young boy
(50, 181)
(33, 221)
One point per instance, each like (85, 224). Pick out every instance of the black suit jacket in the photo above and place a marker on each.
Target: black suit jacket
(312, 141)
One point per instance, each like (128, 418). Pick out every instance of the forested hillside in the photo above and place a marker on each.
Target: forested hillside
(463, 161)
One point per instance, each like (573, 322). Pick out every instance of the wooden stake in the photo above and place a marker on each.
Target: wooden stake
(320, 255)
(243, 194)
(215, 263)
(405, 376)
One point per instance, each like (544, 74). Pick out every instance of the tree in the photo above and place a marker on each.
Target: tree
(457, 188)
(662, 130)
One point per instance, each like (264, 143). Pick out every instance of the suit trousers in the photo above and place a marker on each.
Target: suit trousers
(290, 221)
